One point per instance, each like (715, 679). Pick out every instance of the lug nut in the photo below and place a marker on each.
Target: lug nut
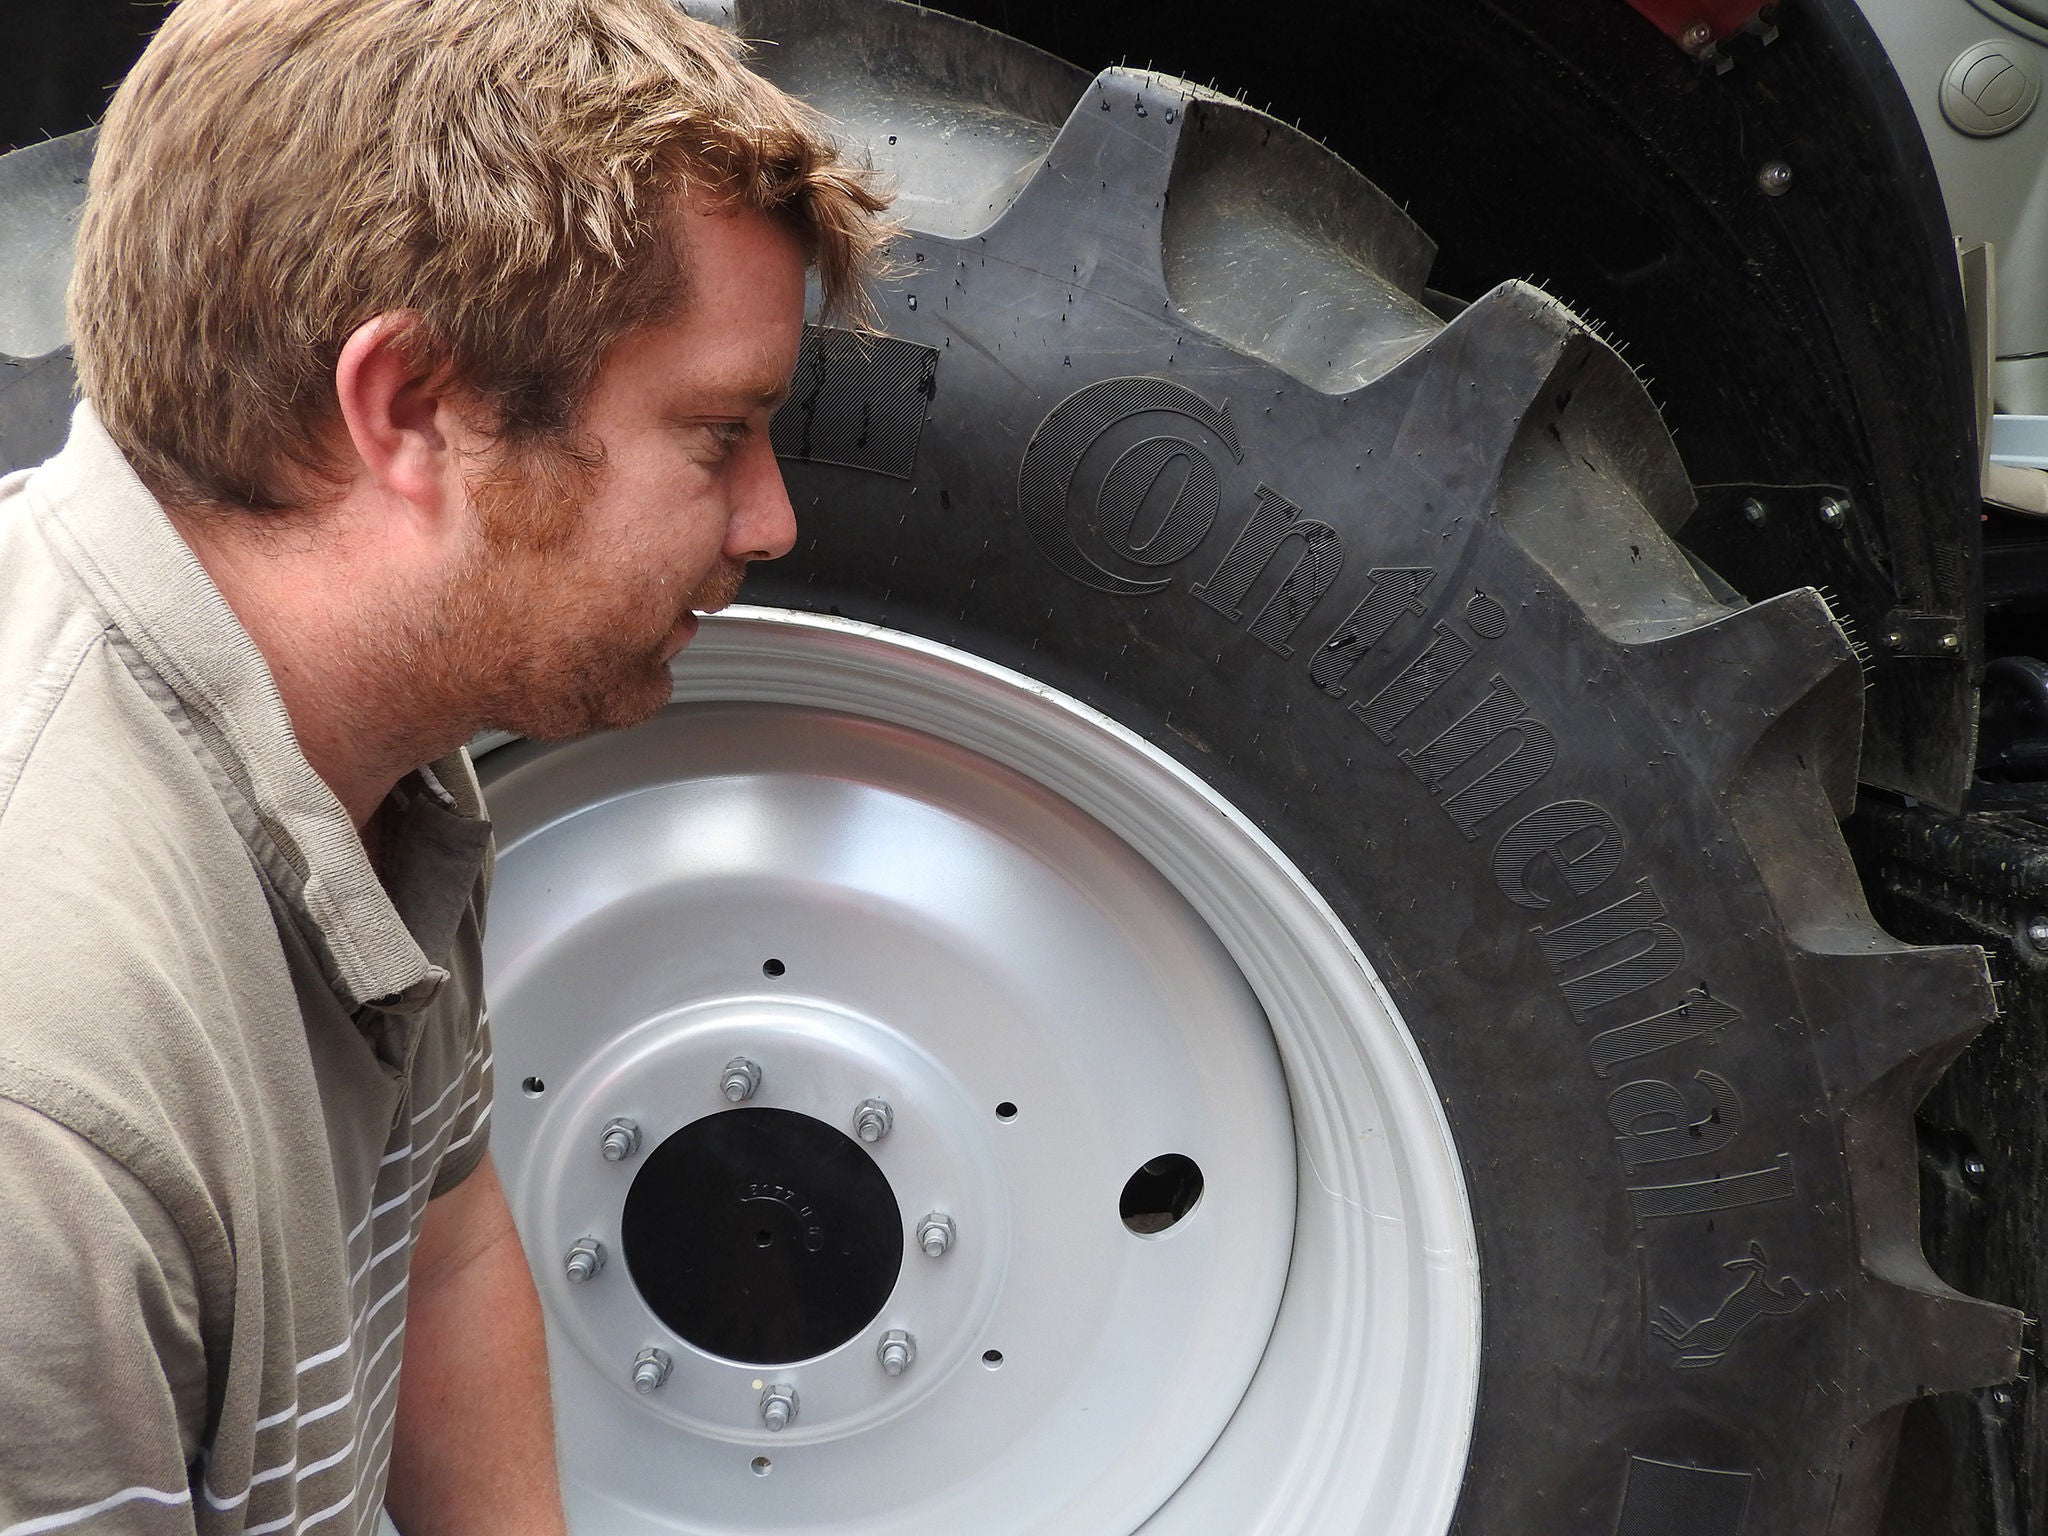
(650, 1369)
(871, 1122)
(584, 1260)
(1753, 510)
(1775, 179)
(742, 1080)
(778, 1407)
(1834, 511)
(896, 1351)
(935, 1234)
(619, 1140)
(2037, 932)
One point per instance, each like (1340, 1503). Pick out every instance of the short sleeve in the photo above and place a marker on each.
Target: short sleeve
(469, 1125)
(103, 1390)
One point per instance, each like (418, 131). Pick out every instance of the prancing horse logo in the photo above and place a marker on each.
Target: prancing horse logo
(1706, 1341)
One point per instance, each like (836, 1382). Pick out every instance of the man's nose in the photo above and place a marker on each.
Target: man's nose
(763, 525)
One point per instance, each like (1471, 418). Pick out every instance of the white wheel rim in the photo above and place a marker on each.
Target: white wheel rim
(1299, 1353)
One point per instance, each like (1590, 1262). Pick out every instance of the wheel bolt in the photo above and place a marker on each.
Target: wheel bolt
(896, 1351)
(742, 1080)
(778, 1407)
(2037, 932)
(585, 1259)
(871, 1122)
(1834, 511)
(619, 1140)
(935, 1234)
(650, 1369)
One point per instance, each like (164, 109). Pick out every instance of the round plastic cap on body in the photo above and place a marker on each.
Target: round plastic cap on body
(1990, 89)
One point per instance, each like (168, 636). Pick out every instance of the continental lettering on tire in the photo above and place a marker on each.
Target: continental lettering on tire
(1708, 1340)
(857, 400)
(1604, 930)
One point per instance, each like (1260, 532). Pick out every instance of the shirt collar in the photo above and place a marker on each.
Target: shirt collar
(165, 608)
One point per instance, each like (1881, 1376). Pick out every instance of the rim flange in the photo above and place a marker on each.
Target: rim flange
(1315, 1435)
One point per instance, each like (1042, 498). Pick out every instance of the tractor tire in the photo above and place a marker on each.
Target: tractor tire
(1239, 753)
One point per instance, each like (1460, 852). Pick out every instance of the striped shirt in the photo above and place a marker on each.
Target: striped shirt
(235, 1064)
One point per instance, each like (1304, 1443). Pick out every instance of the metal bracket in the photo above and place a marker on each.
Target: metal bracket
(1938, 635)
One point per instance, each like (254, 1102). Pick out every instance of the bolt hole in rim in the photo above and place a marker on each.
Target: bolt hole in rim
(1300, 1349)
(1006, 1111)
(533, 1087)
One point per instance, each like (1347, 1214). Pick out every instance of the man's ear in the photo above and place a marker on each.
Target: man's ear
(401, 415)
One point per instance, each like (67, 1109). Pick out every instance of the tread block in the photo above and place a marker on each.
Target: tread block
(1781, 666)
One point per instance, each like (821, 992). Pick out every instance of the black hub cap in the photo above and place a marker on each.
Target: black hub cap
(763, 1236)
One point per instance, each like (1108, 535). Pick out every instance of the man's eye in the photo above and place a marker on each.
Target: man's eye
(728, 435)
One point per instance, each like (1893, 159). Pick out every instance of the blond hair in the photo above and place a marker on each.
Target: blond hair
(275, 172)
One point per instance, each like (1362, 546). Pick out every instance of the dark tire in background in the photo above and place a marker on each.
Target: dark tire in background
(1160, 421)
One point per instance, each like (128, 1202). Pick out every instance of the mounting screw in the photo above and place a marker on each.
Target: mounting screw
(778, 1407)
(585, 1258)
(1893, 640)
(1697, 38)
(935, 1234)
(1754, 510)
(742, 1080)
(619, 1140)
(872, 1121)
(1775, 179)
(650, 1369)
(1951, 641)
(896, 1351)
(1973, 1167)
(2037, 932)
(1834, 511)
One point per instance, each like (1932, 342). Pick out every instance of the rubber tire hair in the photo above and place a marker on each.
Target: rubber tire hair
(1157, 414)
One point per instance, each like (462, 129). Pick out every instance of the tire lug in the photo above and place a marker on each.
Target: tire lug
(650, 1369)
(584, 1261)
(873, 1120)
(778, 1407)
(896, 1352)
(619, 1140)
(742, 1080)
(935, 1234)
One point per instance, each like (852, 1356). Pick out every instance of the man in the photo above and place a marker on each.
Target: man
(427, 350)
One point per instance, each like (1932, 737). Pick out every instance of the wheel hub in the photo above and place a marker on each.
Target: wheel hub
(762, 1236)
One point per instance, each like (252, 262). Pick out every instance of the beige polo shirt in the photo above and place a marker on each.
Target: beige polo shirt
(233, 1067)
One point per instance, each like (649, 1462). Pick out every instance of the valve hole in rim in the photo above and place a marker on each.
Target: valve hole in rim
(772, 967)
(761, 1464)
(992, 1358)
(1006, 1111)
(1160, 1193)
(533, 1087)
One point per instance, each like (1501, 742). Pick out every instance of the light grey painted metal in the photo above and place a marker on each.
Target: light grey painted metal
(584, 1261)
(935, 1234)
(742, 1080)
(986, 896)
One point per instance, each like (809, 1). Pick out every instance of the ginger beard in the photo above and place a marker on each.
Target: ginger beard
(546, 632)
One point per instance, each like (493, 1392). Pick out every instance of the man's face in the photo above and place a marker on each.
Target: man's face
(584, 586)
